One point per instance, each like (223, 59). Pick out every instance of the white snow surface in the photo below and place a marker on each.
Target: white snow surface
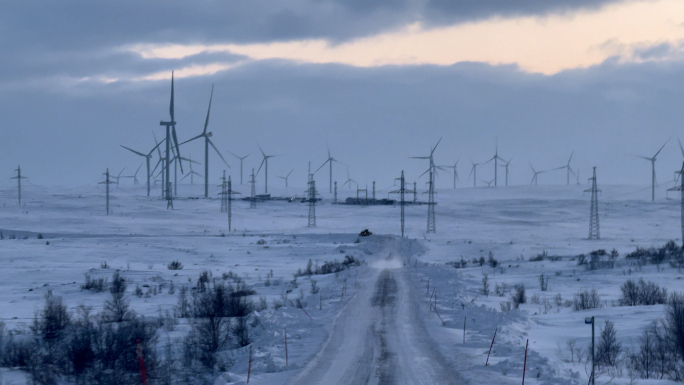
(350, 337)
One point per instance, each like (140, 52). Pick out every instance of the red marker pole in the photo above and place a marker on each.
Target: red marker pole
(490, 348)
(525, 362)
(141, 361)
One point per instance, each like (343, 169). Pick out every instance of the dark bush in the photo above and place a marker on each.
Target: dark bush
(585, 300)
(175, 265)
(608, 350)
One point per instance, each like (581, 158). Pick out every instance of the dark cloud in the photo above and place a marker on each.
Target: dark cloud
(373, 119)
(654, 52)
(457, 11)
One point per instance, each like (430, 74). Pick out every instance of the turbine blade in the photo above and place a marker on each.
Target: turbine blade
(288, 174)
(190, 140)
(133, 151)
(157, 146)
(171, 103)
(434, 148)
(218, 152)
(175, 141)
(324, 163)
(262, 163)
(661, 149)
(206, 122)
(571, 154)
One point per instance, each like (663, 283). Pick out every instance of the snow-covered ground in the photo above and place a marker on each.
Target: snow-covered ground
(141, 237)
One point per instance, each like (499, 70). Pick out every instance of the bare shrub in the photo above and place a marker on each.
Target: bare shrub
(518, 297)
(116, 307)
(485, 285)
(97, 285)
(175, 265)
(585, 300)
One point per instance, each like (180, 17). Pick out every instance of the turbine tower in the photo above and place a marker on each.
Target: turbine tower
(147, 157)
(496, 159)
(286, 177)
(567, 168)
(506, 166)
(473, 172)
(312, 201)
(241, 159)
(207, 142)
(252, 201)
(534, 176)
(653, 174)
(455, 168)
(594, 232)
(264, 162)
(107, 182)
(170, 135)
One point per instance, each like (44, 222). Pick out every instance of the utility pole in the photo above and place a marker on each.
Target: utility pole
(415, 192)
(224, 194)
(18, 178)
(373, 190)
(431, 226)
(312, 201)
(252, 201)
(230, 209)
(591, 320)
(594, 232)
(107, 183)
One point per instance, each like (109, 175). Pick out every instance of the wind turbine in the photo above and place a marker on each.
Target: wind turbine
(207, 142)
(473, 171)
(653, 174)
(170, 133)
(567, 168)
(506, 166)
(286, 176)
(489, 183)
(147, 157)
(430, 157)
(496, 159)
(330, 161)
(349, 180)
(134, 176)
(241, 159)
(454, 167)
(535, 173)
(119, 175)
(264, 161)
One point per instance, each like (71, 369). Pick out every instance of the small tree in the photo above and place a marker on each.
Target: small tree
(485, 285)
(116, 307)
(609, 350)
(543, 283)
(51, 322)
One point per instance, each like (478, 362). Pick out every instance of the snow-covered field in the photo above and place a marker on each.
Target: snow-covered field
(140, 238)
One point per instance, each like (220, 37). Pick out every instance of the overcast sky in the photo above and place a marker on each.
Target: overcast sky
(379, 81)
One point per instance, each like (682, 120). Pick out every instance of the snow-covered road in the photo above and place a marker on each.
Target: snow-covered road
(379, 338)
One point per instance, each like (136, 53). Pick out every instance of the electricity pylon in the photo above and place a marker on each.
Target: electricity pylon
(18, 178)
(594, 232)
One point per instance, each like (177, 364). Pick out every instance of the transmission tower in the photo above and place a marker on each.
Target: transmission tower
(229, 205)
(19, 178)
(312, 201)
(107, 183)
(224, 193)
(594, 232)
(431, 226)
(252, 201)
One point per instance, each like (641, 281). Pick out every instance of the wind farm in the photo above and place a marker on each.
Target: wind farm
(510, 229)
